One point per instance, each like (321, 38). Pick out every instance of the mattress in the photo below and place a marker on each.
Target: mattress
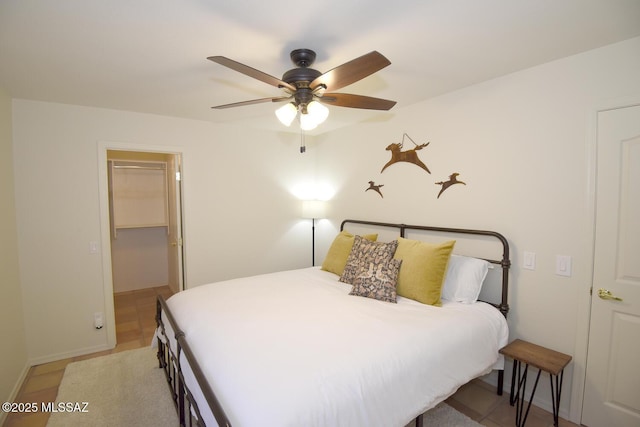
(294, 349)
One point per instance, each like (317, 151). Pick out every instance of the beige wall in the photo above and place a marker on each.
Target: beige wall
(139, 258)
(240, 214)
(523, 144)
(14, 350)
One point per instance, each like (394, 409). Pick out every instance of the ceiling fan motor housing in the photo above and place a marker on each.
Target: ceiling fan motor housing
(301, 76)
(302, 58)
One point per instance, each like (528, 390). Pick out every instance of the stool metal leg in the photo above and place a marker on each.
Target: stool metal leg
(512, 396)
(555, 396)
(521, 415)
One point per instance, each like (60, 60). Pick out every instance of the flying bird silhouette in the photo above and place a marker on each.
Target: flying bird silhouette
(376, 188)
(453, 179)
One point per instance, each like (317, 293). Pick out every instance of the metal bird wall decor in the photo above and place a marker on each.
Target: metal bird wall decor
(376, 188)
(453, 179)
(410, 156)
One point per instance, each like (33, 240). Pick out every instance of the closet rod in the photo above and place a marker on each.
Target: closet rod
(138, 167)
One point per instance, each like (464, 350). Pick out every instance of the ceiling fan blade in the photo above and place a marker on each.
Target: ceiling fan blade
(251, 72)
(356, 101)
(352, 71)
(253, 101)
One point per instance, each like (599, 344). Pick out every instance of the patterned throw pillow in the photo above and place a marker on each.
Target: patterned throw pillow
(339, 251)
(364, 252)
(378, 281)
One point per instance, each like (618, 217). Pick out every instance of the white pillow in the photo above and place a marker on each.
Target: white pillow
(464, 278)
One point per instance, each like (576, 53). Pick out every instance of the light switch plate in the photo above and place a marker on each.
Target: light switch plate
(563, 265)
(529, 261)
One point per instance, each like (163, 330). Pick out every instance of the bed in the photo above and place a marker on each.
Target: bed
(297, 347)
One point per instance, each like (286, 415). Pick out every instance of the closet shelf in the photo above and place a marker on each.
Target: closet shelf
(128, 227)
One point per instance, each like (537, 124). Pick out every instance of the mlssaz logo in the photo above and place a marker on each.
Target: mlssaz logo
(65, 407)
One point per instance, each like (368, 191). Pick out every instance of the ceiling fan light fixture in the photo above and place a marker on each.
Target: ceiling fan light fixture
(312, 114)
(318, 111)
(287, 113)
(307, 121)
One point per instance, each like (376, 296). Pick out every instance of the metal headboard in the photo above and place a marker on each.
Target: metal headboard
(504, 263)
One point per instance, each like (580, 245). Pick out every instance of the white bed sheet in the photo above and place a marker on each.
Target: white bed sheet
(294, 349)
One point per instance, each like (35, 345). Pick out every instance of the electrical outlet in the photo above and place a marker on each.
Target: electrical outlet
(98, 322)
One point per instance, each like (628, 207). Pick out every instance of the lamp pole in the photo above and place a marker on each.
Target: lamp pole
(313, 242)
(313, 209)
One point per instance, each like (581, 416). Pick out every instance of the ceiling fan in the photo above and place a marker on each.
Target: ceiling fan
(305, 88)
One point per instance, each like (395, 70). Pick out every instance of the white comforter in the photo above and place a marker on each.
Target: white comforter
(294, 349)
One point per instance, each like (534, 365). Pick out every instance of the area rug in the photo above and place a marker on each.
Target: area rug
(121, 389)
(128, 389)
(445, 415)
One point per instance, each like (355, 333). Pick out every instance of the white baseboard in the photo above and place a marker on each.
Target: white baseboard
(16, 389)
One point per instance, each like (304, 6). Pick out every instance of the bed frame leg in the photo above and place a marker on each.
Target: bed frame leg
(500, 381)
(419, 420)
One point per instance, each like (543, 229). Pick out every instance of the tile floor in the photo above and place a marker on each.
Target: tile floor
(135, 324)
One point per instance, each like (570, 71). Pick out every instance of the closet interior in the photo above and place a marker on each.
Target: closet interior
(143, 219)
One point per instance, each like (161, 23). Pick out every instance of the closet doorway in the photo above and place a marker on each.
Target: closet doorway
(144, 208)
(145, 221)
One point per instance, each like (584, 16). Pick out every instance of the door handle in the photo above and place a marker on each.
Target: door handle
(606, 294)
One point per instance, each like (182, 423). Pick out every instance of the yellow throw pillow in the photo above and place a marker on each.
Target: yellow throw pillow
(424, 266)
(339, 251)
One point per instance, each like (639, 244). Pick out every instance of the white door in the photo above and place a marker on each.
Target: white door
(612, 387)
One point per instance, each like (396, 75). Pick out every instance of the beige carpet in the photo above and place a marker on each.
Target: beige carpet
(122, 389)
(128, 389)
(445, 415)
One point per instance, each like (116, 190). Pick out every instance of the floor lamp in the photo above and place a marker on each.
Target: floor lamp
(313, 209)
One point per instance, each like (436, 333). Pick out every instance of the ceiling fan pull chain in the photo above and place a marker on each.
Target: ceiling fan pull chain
(303, 148)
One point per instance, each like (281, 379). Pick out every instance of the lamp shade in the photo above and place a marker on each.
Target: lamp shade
(314, 114)
(313, 209)
(307, 122)
(311, 115)
(287, 113)
(318, 111)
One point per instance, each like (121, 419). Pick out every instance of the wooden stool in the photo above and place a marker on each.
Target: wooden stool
(542, 358)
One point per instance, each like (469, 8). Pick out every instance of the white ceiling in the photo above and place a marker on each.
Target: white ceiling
(150, 55)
